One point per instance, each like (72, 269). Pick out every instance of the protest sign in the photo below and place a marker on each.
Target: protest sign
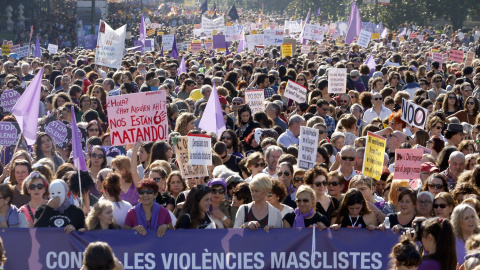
(140, 116)
(254, 40)
(287, 50)
(23, 51)
(314, 32)
(234, 33)
(469, 59)
(424, 149)
(181, 153)
(295, 92)
(445, 58)
(219, 42)
(307, 148)
(255, 99)
(413, 114)
(455, 56)
(167, 42)
(6, 49)
(259, 50)
(412, 35)
(438, 57)
(208, 44)
(407, 163)
(374, 155)
(364, 38)
(110, 45)
(8, 99)
(272, 37)
(199, 149)
(321, 48)
(58, 130)
(195, 47)
(290, 41)
(14, 48)
(376, 36)
(52, 48)
(9, 133)
(337, 80)
(218, 24)
(293, 26)
(305, 49)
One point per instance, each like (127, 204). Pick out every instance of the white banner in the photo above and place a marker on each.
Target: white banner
(314, 32)
(254, 40)
(337, 80)
(293, 26)
(295, 92)
(200, 149)
(110, 45)
(305, 49)
(255, 99)
(234, 32)
(307, 148)
(413, 114)
(364, 38)
(167, 42)
(216, 24)
(272, 37)
(52, 48)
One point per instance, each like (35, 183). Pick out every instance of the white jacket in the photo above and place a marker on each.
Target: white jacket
(274, 216)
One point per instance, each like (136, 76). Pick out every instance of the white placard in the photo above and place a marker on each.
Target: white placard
(314, 32)
(234, 32)
(307, 148)
(295, 92)
(364, 38)
(167, 42)
(293, 26)
(272, 37)
(254, 40)
(110, 45)
(216, 24)
(52, 48)
(337, 80)
(255, 99)
(305, 49)
(200, 149)
(413, 114)
(438, 57)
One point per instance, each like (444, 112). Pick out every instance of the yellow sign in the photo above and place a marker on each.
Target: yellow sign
(150, 32)
(189, 3)
(402, 38)
(435, 50)
(228, 24)
(214, 32)
(161, 33)
(376, 36)
(6, 49)
(253, 32)
(374, 154)
(287, 50)
(196, 41)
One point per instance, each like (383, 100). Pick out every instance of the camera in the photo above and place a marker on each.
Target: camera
(418, 229)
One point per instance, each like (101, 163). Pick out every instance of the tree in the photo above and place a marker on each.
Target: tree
(455, 11)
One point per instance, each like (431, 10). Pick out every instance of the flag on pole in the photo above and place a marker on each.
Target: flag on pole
(404, 32)
(241, 46)
(212, 118)
(262, 5)
(384, 33)
(182, 68)
(370, 62)
(26, 109)
(174, 52)
(281, 12)
(307, 20)
(233, 13)
(31, 32)
(317, 13)
(204, 7)
(38, 52)
(354, 24)
(77, 152)
(143, 33)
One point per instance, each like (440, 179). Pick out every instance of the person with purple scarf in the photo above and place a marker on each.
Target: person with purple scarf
(305, 215)
(148, 214)
(10, 217)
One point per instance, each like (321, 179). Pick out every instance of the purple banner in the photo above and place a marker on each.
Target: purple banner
(8, 99)
(219, 42)
(88, 42)
(9, 133)
(52, 248)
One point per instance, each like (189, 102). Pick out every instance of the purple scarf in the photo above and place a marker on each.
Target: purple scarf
(12, 216)
(300, 217)
(141, 218)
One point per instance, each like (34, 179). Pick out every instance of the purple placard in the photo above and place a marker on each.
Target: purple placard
(9, 133)
(59, 133)
(219, 42)
(8, 99)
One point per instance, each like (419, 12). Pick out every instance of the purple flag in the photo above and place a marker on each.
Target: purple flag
(212, 118)
(354, 24)
(317, 13)
(384, 33)
(143, 33)
(182, 68)
(241, 46)
(78, 156)
(38, 52)
(371, 64)
(26, 109)
(174, 53)
(307, 20)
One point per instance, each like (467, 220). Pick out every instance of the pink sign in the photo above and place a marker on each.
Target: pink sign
(407, 163)
(195, 47)
(456, 56)
(413, 35)
(139, 116)
(438, 57)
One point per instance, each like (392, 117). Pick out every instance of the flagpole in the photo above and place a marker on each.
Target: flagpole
(18, 142)
(80, 186)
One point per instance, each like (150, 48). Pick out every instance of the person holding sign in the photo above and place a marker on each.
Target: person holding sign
(245, 123)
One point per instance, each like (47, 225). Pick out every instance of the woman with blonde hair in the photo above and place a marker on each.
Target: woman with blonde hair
(185, 123)
(129, 178)
(396, 187)
(100, 217)
(465, 223)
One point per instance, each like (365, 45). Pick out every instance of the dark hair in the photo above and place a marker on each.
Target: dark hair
(352, 197)
(436, 175)
(313, 173)
(408, 192)
(37, 146)
(149, 184)
(7, 191)
(445, 254)
(104, 162)
(405, 253)
(99, 256)
(242, 192)
(279, 189)
(191, 206)
(158, 152)
(443, 156)
(86, 183)
(244, 108)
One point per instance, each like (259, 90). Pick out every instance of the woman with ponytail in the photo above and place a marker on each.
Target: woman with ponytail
(404, 255)
(438, 241)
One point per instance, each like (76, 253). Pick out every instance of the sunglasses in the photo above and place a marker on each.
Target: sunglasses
(321, 131)
(225, 138)
(269, 194)
(156, 179)
(97, 155)
(438, 81)
(37, 186)
(256, 165)
(467, 90)
(317, 184)
(439, 127)
(348, 158)
(94, 129)
(217, 191)
(343, 101)
(287, 174)
(333, 183)
(148, 191)
(436, 186)
(237, 103)
(452, 97)
(298, 179)
(470, 103)
(378, 98)
(441, 205)
(302, 201)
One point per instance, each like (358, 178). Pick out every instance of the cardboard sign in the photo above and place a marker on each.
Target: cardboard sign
(8, 99)
(52, 48)
(374, 155)
(6, 49)
(255, 99)
(407, 163)
(272, 37)
(364, 38)
(307, 148)
(140, 116)
(305, 49)
(110, 45)
(295, 92)
(413, 114)
(181, 154)
(469, 59)
(337, 80)
(287, 50)
(9, 133)
(455, 56)
(199, 149)
(259, 50)
(314, 32)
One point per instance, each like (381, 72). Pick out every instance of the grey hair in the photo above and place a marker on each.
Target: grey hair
(204, 87)
(356, 105)
(272, 148)
(295, 119)
(347, 148)
(430, 195)
(337, 135)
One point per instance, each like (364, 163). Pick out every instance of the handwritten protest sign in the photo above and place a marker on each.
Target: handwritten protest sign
(407, 163)
(374, 155)
(255, 99)
(412, 35)
(305, 49)
(272, 37)
(59, 131)
(337, 80)
(181, 154)
(413, 114)
(140, 116)
(9, 133)
(321, 48)
(314, 32)
(364, 38)
(8, 99)
(307, 147)
(259, 50)
(52, 48)
(291, 41)
(295, 92)
(455, 56)
(469, 58)
(23, 51)
(199, 149)
(287, 50)
(110, 45)
(6, 49)
(167, 42)
(211, 25)
(254, 40)
(376, 36)
(195, 47)
(438, 57)
(294, 26)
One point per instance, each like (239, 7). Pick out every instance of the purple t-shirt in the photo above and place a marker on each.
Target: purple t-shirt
(131, 196)
(430, 265)
(163, 217)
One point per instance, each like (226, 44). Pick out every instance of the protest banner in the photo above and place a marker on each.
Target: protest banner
(234, 33)
(218, 24)
(255, 99)
(272, 37)
(407, 163)
(469, 58)
(219, 42)
(289, 249)
(321, 48)
(412, 35)
(58, 130)
(195, 47)
(424, 149)
(295, 92)
(364, 38)
(254, 40)
(181, 153)
(110, 45)
(337, 80)
(9, 98)
(455, 56)
(9, 133)
(14, 48)
(376, 36)
(291, 41)
(413, 114)
(52, 48)
(167, 42)
(139, 116)
(305, 49)
(199, 149)
(6, 49)
(287, 50)
(208, 44)
(374, 155)
(259, 50)
(307, 148)
(314, 32)
(294, 26)
(23, 51)
(438, 57)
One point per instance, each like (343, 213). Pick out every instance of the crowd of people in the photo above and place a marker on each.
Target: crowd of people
(254, 182)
